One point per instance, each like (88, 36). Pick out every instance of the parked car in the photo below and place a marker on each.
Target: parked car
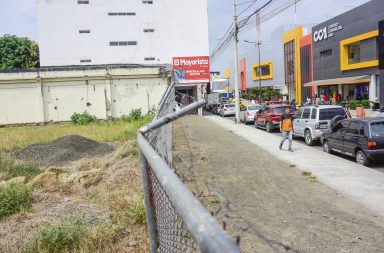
(312, 121)
(269, 117)
(360, 138)
(227, 110)
(247, 113)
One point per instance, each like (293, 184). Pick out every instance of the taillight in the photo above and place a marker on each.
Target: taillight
(371, 145)
(317, 125)
(225, 109)
(248, 113)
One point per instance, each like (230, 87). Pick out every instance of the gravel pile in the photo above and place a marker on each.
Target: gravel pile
(62, 151)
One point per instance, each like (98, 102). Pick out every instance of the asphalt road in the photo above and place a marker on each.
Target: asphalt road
(379, 166)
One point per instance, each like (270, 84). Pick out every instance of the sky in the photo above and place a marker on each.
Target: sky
(18, 17)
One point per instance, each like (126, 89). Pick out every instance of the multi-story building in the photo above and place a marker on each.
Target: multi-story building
(95, 32)
(346, 54)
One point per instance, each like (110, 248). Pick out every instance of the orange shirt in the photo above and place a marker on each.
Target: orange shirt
(286, 123)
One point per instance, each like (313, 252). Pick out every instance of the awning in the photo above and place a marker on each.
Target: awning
(343, 80)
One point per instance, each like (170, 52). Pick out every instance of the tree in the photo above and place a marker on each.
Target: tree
(18, 53)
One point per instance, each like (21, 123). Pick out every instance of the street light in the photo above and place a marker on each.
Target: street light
(258, 43)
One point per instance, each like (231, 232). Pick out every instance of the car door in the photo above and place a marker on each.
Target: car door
(297, 122)
(304, 120)
(351, 138)
(336, 139)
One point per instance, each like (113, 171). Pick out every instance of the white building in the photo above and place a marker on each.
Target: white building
(93, 32)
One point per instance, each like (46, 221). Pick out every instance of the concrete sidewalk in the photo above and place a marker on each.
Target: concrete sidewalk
(361, 184)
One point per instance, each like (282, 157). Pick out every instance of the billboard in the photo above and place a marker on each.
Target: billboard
(191, 70)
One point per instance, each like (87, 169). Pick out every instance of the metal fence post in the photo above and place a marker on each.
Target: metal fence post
(148, 204)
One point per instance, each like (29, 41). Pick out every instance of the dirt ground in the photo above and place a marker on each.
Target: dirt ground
(268, 204)
(99, 191)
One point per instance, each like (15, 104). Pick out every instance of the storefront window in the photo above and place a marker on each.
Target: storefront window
(354, 53)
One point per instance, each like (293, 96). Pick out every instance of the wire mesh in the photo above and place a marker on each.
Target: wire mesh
(171, 234)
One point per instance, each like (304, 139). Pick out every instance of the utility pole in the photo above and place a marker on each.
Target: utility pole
(259, 72)
(237, 99)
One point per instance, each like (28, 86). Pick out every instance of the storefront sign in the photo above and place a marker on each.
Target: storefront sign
(326, 32)
(191, 70)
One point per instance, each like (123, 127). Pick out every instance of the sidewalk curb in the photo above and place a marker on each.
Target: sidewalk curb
(359, 183)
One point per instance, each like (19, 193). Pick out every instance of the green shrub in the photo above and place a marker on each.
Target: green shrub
(134, 115)
(60, 238)
(357, 103)
(83, 118)
(13, 199)
(10, 169)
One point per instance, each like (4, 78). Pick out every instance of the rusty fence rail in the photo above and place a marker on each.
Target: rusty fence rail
(176, 220)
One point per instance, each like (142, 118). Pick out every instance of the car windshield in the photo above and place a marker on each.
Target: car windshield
(254, 107)
(377, 129)
(279, 110)
(329, 113)
(230, 105)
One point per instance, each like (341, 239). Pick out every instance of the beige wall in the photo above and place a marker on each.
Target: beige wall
(56, 95)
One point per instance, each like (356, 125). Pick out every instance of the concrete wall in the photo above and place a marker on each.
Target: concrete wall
(46, 95)
(180, 29)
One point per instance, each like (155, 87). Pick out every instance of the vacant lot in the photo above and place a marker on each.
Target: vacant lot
(73, 188)
(267, 203)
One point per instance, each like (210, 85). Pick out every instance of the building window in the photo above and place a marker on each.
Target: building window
(354, 53)
(83, 2)
(123, 43)
(289, 62)
(326, 53)
(149, 58)
(149, 30)
(85, 61)
(84, 31)
(121, 13)
(262, 71)
(147, 2)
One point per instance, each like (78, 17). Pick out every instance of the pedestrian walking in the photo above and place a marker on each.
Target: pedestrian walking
(286, 129)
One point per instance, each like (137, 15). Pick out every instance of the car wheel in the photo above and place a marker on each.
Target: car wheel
(326, 147)
(361, 158)
(308, 138)
(268, 127)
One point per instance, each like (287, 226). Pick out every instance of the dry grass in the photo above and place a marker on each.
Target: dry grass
(13, 138)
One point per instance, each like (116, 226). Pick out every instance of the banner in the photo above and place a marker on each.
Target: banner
(191, 70)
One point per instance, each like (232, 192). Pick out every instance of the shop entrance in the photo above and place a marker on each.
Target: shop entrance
(356, 91)
(185, 95)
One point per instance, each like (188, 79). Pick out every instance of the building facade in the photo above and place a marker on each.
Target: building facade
(345, 53)
(93, 32)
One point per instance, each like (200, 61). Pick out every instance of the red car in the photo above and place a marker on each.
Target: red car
(269, 117)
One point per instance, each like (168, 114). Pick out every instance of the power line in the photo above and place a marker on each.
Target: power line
(244, 24)
(249, 6)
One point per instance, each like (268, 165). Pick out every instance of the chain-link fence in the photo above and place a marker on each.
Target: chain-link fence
(177, 222)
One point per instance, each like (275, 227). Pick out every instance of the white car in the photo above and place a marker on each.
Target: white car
(247, 114)
(227, 110)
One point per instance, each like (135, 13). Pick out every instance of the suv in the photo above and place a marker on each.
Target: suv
(311, 121)
(269, 117)
(360, 138)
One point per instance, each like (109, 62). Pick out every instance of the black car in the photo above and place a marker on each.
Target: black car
(360, 138)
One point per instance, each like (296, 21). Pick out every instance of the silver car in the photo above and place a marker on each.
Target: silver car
(247, 113)
(227, 110)
(311, 121)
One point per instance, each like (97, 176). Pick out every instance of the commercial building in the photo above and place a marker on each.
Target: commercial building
(93, 32)
(345, 54)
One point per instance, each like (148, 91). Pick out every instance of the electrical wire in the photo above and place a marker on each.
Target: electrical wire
(244, 24)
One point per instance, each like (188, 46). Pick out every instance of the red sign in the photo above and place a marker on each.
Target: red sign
(194, 69)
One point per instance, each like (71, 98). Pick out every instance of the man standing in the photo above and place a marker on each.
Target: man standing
(286, 128)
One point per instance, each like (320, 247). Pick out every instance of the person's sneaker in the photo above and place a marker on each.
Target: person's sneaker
(290, 150)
